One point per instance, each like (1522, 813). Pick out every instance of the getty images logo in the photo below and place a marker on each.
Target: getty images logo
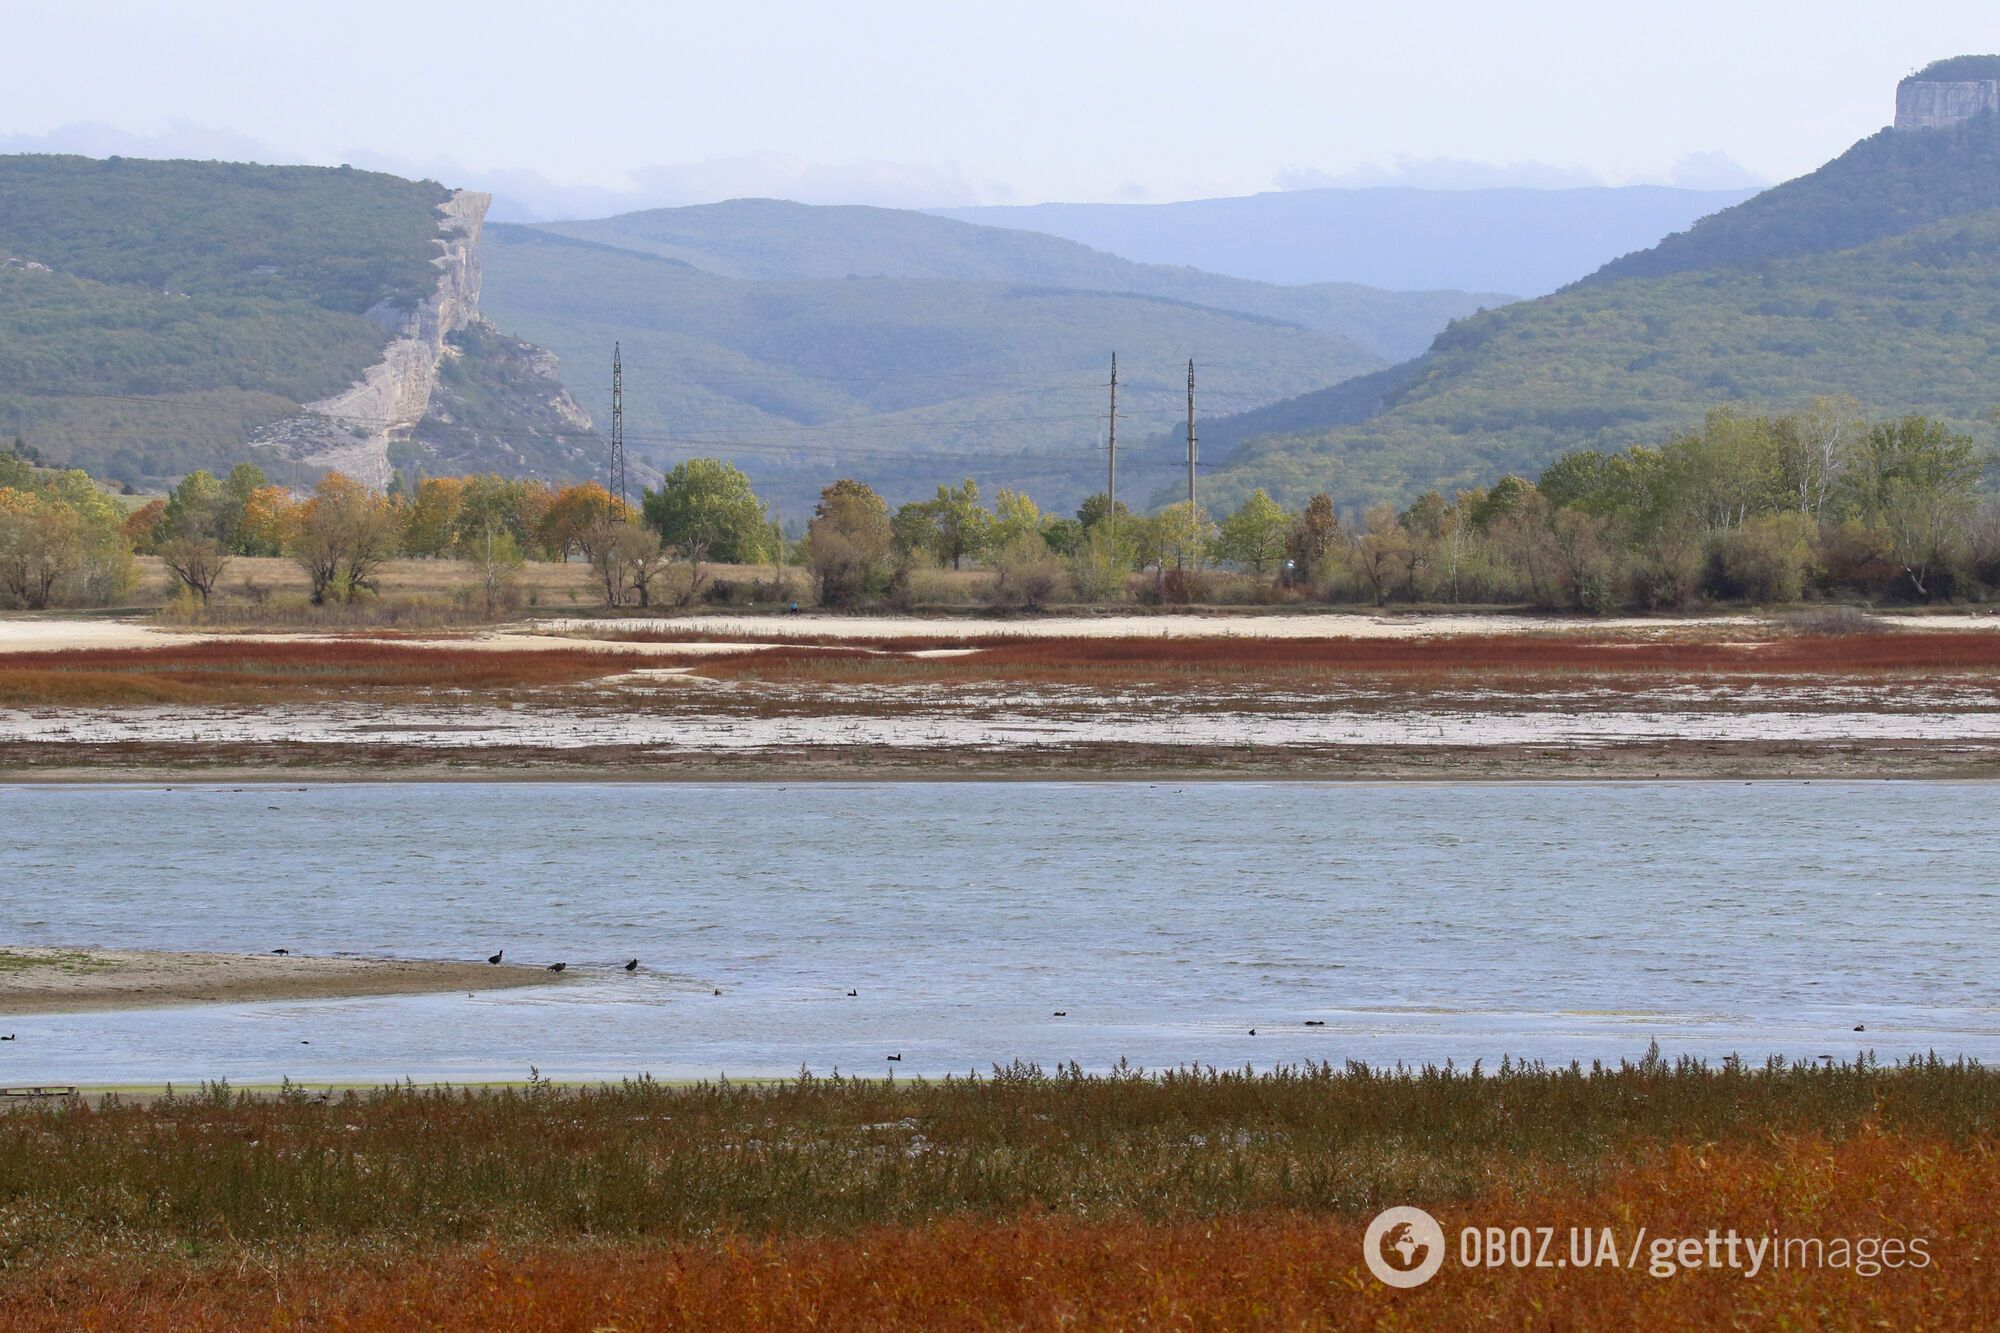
(1403, 1247)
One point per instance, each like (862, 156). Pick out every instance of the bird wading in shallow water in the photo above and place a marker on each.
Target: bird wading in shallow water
(557, 967)
(632, 966)
(494, 958)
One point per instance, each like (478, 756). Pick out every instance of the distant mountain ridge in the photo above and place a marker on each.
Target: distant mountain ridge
(1524, 241)
(905, 381)
(770, 240)
(1877, 275)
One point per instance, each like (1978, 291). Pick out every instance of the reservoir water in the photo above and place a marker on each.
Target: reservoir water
(1415, 923)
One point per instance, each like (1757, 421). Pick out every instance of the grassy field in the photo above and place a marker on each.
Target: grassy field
(1022, 1198)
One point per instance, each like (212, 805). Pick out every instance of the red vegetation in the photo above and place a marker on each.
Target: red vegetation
(1265, 1269)
(1018, 658)
(231, 670)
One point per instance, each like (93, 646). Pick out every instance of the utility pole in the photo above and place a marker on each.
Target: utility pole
(618, 422)
(1190, 435)
(1111, 482)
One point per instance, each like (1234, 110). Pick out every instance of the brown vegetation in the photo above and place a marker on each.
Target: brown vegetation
(1208, 1198)
(1101, 659)
(275, 670)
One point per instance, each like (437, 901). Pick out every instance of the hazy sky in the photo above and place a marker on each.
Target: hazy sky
(943, 103)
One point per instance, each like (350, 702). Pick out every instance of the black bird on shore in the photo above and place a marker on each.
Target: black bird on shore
(1253, 1032)
(1062, 1013)
(1860, 1027)
(1315, 1022)
(281, 952)
(897, 1056)
(853, 994)
(557, 967)
(494, 958)
(632, 966)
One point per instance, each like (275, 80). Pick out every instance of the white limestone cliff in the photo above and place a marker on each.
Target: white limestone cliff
(351, 431)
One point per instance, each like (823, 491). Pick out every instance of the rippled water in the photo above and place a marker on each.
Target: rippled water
(1550, 921)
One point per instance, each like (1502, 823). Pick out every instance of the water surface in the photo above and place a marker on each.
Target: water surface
(1418, 923)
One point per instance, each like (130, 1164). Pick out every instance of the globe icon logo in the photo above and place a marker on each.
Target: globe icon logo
(1403, 1247)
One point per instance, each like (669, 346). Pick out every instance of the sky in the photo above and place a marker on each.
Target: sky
(579, 109)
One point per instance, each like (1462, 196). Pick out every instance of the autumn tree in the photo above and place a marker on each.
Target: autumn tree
(573, 513)
(848, 544)
(341, 537)
(197, 562)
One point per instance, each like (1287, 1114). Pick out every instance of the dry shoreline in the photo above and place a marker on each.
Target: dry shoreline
(138, 764)
(43, 980)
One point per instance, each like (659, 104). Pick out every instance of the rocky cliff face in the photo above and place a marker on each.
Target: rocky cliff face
(1926, 104)
(352, 431)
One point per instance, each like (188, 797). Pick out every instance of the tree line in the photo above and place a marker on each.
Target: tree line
(1755, 508)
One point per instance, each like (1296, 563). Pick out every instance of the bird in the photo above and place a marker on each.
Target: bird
(853, 994)
(1860, 1027)
(1253, 1032)
(718, 990)
(8, 1037)
(1315, 1022)
(897, 1056)
(1061, 1013)
(281, 952)
(632, 966)
(304, 1042)
(557, 967)
(494, 958)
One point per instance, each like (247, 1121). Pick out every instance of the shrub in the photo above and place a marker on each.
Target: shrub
(1764, 560)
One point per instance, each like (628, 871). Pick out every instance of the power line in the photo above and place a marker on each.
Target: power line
(618, 423)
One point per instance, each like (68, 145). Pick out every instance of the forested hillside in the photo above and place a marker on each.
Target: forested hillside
(774, 240)
(154, 314)
(156, 317)
(1878, 277)
(908, 381)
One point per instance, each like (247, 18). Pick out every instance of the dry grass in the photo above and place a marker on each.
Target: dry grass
(276, 670)
(1218, 1200)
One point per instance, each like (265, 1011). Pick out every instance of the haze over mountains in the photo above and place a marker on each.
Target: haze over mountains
(156, 317)
(801, 340)
(1523, 241)
(1876, 276)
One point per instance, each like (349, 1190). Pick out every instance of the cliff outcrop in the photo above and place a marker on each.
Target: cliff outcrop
(521, 406)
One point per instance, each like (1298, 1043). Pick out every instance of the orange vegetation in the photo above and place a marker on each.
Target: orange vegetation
(1262, 1269)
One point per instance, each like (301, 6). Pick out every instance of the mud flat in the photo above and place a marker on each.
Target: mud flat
(37, 980)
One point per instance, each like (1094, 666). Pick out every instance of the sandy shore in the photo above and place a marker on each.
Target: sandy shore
(54, 980)
(722, 633)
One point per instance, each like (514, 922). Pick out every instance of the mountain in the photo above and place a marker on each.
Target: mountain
(157, 317)
(1511, 240)
(771, 240)
(1876, 276)
(907, 380)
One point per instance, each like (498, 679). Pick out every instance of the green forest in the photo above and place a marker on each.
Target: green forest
(1877, 276)
(153, 314)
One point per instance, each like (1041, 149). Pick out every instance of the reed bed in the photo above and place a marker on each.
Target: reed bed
(828, 1154)
(1213, 1198)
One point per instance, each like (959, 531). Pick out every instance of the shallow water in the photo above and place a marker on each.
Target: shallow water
(1546, 921)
